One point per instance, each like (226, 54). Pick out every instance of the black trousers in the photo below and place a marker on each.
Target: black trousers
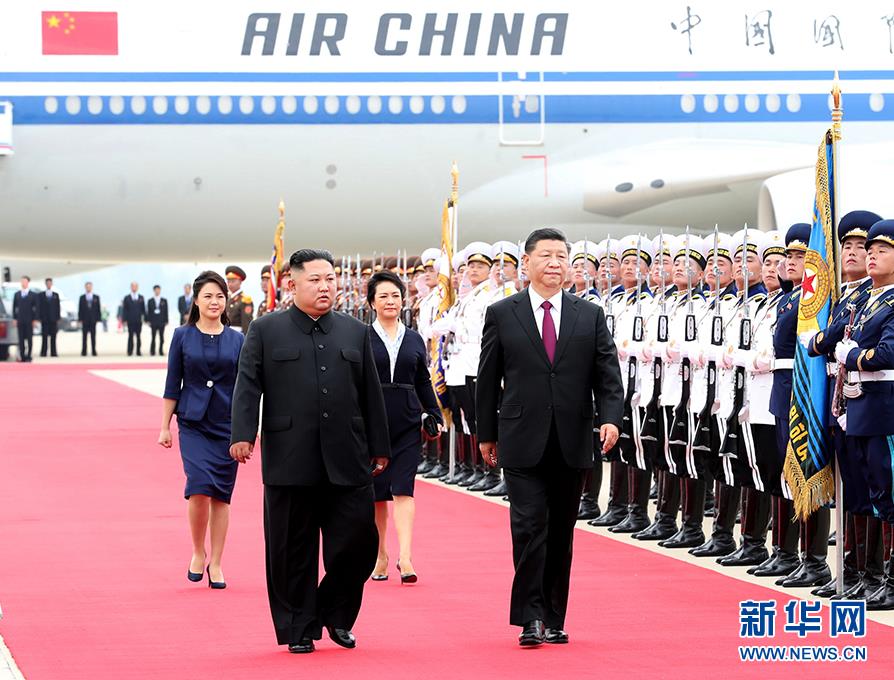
(133, 333)
(26, 338)
(88, 329)
(543, 509)
(160, 331)
(294, 519)
(48, 337)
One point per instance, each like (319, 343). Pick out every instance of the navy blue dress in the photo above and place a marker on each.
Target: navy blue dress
(407, 396)
(201, 376)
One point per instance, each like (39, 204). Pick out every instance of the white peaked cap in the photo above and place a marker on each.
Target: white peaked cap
(508, 248)
(478, 251)
(586, 249)
(633, 242)
(430, 256)
(772, 243)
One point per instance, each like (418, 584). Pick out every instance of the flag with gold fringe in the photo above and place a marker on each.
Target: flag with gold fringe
(446, 297)
(808, 458)
(276, 260)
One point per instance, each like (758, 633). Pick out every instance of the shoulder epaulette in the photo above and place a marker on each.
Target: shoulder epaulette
(246, 299)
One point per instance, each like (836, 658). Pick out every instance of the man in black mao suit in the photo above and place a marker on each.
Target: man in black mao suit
(324, 436)
(89, 314)
(25, 310)
(134, 311)
(545, 355)
(50, 313)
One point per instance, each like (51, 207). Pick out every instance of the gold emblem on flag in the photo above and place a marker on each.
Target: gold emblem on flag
(814, 297)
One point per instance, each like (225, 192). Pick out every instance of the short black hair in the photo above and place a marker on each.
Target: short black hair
(544, 234)
(299, 257)
(383, 277)
(156, 287)
(26, 277)
(48, 280)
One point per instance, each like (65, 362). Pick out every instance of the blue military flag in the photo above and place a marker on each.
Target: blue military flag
(808, 457)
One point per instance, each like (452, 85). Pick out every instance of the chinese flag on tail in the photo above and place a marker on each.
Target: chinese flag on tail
(80, 32)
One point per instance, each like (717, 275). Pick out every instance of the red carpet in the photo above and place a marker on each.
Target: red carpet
(94, 546)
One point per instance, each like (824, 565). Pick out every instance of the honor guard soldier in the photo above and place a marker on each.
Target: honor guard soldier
(635, 306)
(868, 356)
(683, 392)
(428, 305)
(663, 246)
(265, 286)
(863, 564)
(239, 305)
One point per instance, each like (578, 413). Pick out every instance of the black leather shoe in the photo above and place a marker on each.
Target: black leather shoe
(814, 573)
(631, 524)
(490, 481)
(555, 636)
(858, 591)
(437, 471)
(303, 646)
(830, 588)
(425, 466)
(687, 537)
(532, 634)
(216, 585)
(833, 538)
(659, 530)
(499, 490)
(747, 555)
(589, 509)
(194, 577)
(472, 479)
(716, 546)
(882, 599)
(342, 637)
(613, 515)
(782, 565)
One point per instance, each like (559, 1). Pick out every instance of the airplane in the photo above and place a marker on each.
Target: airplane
(170, 131)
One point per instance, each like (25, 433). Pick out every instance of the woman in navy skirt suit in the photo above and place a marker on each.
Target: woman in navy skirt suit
(202, 362)
(402, 363)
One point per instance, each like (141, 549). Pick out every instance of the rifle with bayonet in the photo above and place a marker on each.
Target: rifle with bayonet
(707, 431)
(679, 430)
(653, 423)
(631, 398)
(609, 304)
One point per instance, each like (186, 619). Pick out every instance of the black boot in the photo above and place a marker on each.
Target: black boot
(784, 559)
(874, 574)
(589, 506)
(665, 524)
(721, 541)
(755, 518)
(617, 497)
(883, 598)
(814, 570)
(499, 489)
(461, 469)
(442, 466)
(868, 574)
(854, 556)
(637, 517)
(475, 463)
(691, 533)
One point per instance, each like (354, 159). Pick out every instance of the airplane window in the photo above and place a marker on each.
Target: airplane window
(289, 105)
(395, 104)
(437, 104)
(772, 103)
(181, 105)
(116, 105)
(51, 105)
(225, 104)
(710, 103)
(246, 105)
(793, 103)
(731, 103)
(352, 104)
(876, 102)
(138, 104)
(532, 103)
(687, 103)
(203, 104)
(94, 105)
(160, 105)
(310, 105)
(417, 104)
(374, 104)
(268, 104)
(331, 104)
(458, 104)
(752, 103)
(73, 105)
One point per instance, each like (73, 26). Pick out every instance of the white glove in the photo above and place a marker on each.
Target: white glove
(645, 352)
(712, 353)
(672, 352)
(842, 421)
(805, 338)
(623, 351)
(690, 350)
(762, 363)
(744, 358)
(633, 349)
(843, 348)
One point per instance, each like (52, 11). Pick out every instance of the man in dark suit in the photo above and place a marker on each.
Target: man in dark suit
(324, 436)
(89, 314)
(133, 312)
(25, 310)
(50, 313)
(184, 303)
(545, 355)
(157, 316)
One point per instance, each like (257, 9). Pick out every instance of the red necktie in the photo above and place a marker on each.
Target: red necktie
(549, 331)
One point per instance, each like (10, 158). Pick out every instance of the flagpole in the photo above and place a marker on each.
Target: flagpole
(837, 114)
(454, 236)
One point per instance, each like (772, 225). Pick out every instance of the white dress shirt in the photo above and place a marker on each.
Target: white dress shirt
(556, 311)
(392, 346)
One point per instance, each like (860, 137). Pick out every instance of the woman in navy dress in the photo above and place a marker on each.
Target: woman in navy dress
(402, 363)
(202, 362)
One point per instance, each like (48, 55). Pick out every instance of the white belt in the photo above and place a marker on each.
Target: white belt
(870, 376)
(783, 364)
(832, 369)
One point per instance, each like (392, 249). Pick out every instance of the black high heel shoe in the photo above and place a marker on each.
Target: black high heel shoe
(406, 578)
(192, 576)
(216, 585)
